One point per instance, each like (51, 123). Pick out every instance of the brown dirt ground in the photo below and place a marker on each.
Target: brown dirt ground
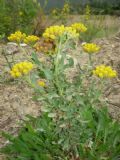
(16, 98)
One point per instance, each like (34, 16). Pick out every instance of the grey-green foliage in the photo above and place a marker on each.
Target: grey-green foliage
(76, 125)
(93, 136)
(36, 140)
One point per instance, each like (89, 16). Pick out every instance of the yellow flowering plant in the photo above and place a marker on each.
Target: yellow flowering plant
(73, 123)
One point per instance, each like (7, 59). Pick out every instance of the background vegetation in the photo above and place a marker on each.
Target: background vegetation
(21, 14)
(99, 6)
(15, 14)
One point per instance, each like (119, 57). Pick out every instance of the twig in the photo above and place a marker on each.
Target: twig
(117, 105)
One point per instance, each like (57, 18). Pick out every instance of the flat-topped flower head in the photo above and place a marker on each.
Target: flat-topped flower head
(79, 27)
(21, 69)
(103, 71)
(31, 39)
(53, 32)
(90, 48)
(17, 37)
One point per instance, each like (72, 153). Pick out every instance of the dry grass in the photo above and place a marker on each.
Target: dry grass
(105, 25)
(100, 25)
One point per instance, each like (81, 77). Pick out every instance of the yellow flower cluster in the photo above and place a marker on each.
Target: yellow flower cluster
(79, 27)
(55, 31)
(41, 83)
(91, 48)
(87, 12)
(31, 39)
(17, 37)
(103, 71)
(21, 68)
(66, 9)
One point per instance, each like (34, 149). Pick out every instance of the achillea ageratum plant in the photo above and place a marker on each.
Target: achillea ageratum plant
(74, 123)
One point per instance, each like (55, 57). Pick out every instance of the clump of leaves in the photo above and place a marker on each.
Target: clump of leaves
(36, 140)
(92, 136)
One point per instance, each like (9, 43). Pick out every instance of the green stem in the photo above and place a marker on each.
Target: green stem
(6, 58)
(56, 65)
(90, 61)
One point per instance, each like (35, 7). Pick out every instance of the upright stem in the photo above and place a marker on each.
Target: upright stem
(6, 58)
(56, 64)
(90, 61)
